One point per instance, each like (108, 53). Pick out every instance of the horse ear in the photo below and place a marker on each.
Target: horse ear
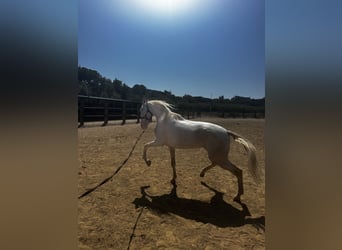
(144, 100)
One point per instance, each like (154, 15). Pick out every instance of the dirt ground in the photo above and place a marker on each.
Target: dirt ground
(140, 209)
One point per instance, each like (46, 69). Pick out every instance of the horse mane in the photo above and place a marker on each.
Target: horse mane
(169, 107)
(177, 116)
(166, 105)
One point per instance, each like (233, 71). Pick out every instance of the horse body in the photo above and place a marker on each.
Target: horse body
(174, 131)
(191, 134)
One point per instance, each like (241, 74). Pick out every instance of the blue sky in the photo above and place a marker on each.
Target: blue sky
(199, 47)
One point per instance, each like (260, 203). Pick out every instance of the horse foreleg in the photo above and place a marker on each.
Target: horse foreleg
(154, 143)
(173, 164)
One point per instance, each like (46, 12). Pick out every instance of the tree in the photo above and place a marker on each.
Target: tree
(117, 85)
(124, 92)
(139, 90)
(85, 74)
(91, 83)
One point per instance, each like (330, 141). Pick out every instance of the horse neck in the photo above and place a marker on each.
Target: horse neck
(159, 110)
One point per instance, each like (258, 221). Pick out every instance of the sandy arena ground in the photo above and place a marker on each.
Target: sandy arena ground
(140, 209)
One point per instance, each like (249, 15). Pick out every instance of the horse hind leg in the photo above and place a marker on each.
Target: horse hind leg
(238, 173)
(204, 170)
(215, 155)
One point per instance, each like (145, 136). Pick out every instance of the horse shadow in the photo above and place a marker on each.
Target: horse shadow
(217, 212)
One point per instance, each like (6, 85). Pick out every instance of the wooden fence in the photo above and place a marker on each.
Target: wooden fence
(92, 108)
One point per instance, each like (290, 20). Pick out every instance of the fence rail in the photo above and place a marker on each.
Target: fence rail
(92, 108)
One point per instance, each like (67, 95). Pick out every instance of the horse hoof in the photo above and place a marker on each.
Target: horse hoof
(148, 163)
(237, 199)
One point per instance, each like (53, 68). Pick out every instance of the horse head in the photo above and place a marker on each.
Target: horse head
(145, 114)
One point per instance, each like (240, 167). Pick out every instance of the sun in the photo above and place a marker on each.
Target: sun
(165, 7)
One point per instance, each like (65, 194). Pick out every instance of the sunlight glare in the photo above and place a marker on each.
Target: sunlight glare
(165, 7)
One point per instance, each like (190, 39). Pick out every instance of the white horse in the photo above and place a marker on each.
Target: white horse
(174, 131)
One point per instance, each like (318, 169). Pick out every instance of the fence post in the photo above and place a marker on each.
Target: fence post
(138, 113)
(105, 114)
(81, 114)
(123, 113)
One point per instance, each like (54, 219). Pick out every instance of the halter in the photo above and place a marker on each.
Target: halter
(148, 115)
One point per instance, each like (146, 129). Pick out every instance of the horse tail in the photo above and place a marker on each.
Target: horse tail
(249, 147)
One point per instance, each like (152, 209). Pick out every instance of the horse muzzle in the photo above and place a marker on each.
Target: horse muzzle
(144, 123)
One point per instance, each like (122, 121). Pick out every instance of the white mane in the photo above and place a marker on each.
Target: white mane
(166, 105)
(167, 108)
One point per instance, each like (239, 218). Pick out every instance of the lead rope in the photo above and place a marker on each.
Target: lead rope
(134, 227)
(116, 171)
